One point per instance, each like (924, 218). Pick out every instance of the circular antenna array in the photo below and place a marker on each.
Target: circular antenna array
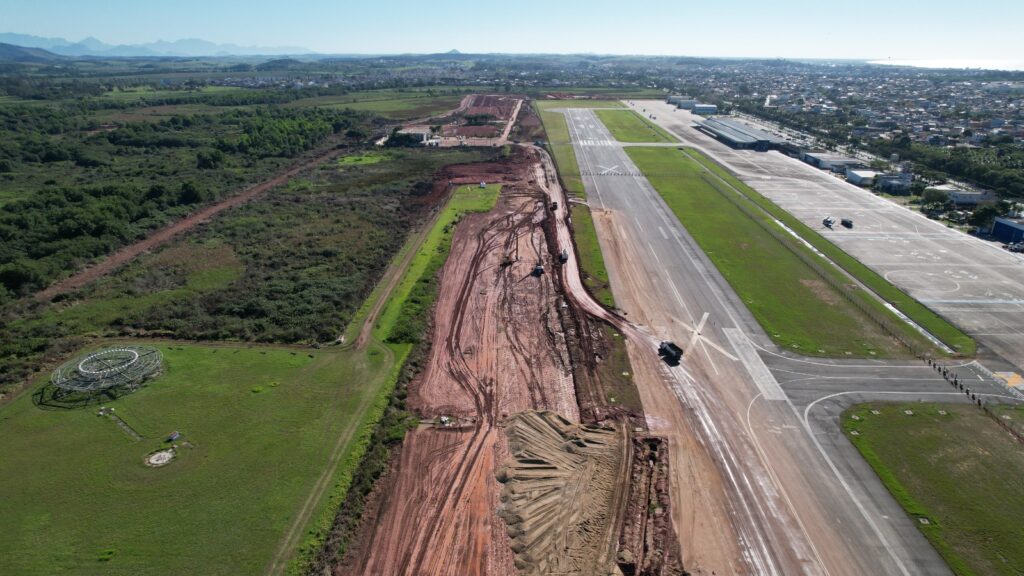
(125, 368)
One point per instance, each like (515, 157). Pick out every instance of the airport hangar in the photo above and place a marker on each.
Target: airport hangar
(742, 136)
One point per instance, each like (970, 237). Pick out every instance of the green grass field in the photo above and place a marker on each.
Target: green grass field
(395, 104)
(795, 306)
(362, 159)
(552, 104)
(595, 274)
(923, 316)
(264, 424)
(628, 126)
(433, 252)
(959, 471)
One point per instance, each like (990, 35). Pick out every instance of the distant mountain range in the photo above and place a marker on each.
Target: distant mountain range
(186, 47)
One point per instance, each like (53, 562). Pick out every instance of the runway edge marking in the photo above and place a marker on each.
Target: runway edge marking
(759, 372)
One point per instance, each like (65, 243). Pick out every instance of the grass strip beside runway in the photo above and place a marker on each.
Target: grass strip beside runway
(796, 307)
(919, 313)
(629, 126)
(958, 471)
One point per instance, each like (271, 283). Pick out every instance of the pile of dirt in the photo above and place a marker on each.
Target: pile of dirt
(500, 107)
(560, 492)
(648, 545)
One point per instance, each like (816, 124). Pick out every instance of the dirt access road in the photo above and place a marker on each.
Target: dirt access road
(498, 349)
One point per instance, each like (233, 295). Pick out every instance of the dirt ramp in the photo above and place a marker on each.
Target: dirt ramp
(561, 493)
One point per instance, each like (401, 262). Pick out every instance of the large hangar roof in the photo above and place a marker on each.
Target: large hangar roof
(739, 132)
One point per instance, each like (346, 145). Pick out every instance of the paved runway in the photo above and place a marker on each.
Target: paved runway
(795, 499)
(973, 283)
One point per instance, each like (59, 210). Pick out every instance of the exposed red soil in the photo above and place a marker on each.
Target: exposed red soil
(122, 256)
(497, 349)
(500, 107)
(485, 131)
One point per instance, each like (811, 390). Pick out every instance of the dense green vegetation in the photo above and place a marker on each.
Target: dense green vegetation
(924, 317)
(79, 500)
(628, 126)
(290, 267)
(967, 491)
(796, 307)
(999, 167)
(75, 195)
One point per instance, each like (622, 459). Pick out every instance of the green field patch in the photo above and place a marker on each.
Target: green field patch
(362, 159)
(958, 471)
(628, 126)
(919, 313)
(396, 104)
(595, 274)
(77, 491)
(402, 315)
(556, 104)
(795, 306)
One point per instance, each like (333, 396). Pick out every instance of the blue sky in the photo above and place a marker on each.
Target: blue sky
(771, 28)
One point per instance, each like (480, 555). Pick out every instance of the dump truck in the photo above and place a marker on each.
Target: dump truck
(670, 353)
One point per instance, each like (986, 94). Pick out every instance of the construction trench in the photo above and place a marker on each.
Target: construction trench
(519, 465)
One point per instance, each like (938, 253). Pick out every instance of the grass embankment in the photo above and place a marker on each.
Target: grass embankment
(404, 317)
(788, 298)
(595, 274)
(919, 313)
(78, 498)
(959, 471)
(628, 126)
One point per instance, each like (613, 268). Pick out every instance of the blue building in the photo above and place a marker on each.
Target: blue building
(1008, 230)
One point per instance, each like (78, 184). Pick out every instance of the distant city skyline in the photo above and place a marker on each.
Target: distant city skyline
(867, 30)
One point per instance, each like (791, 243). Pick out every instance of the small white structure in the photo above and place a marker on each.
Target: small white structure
(861, 177)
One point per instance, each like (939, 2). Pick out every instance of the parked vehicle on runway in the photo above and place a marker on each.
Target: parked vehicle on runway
(670, 353)
(846, 222)
(828, 222)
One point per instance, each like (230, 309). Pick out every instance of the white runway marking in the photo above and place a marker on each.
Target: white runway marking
(759, 372)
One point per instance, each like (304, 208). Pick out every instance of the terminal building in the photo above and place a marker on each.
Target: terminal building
(739, 135)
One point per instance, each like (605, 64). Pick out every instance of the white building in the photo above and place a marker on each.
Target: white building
(861, 177)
